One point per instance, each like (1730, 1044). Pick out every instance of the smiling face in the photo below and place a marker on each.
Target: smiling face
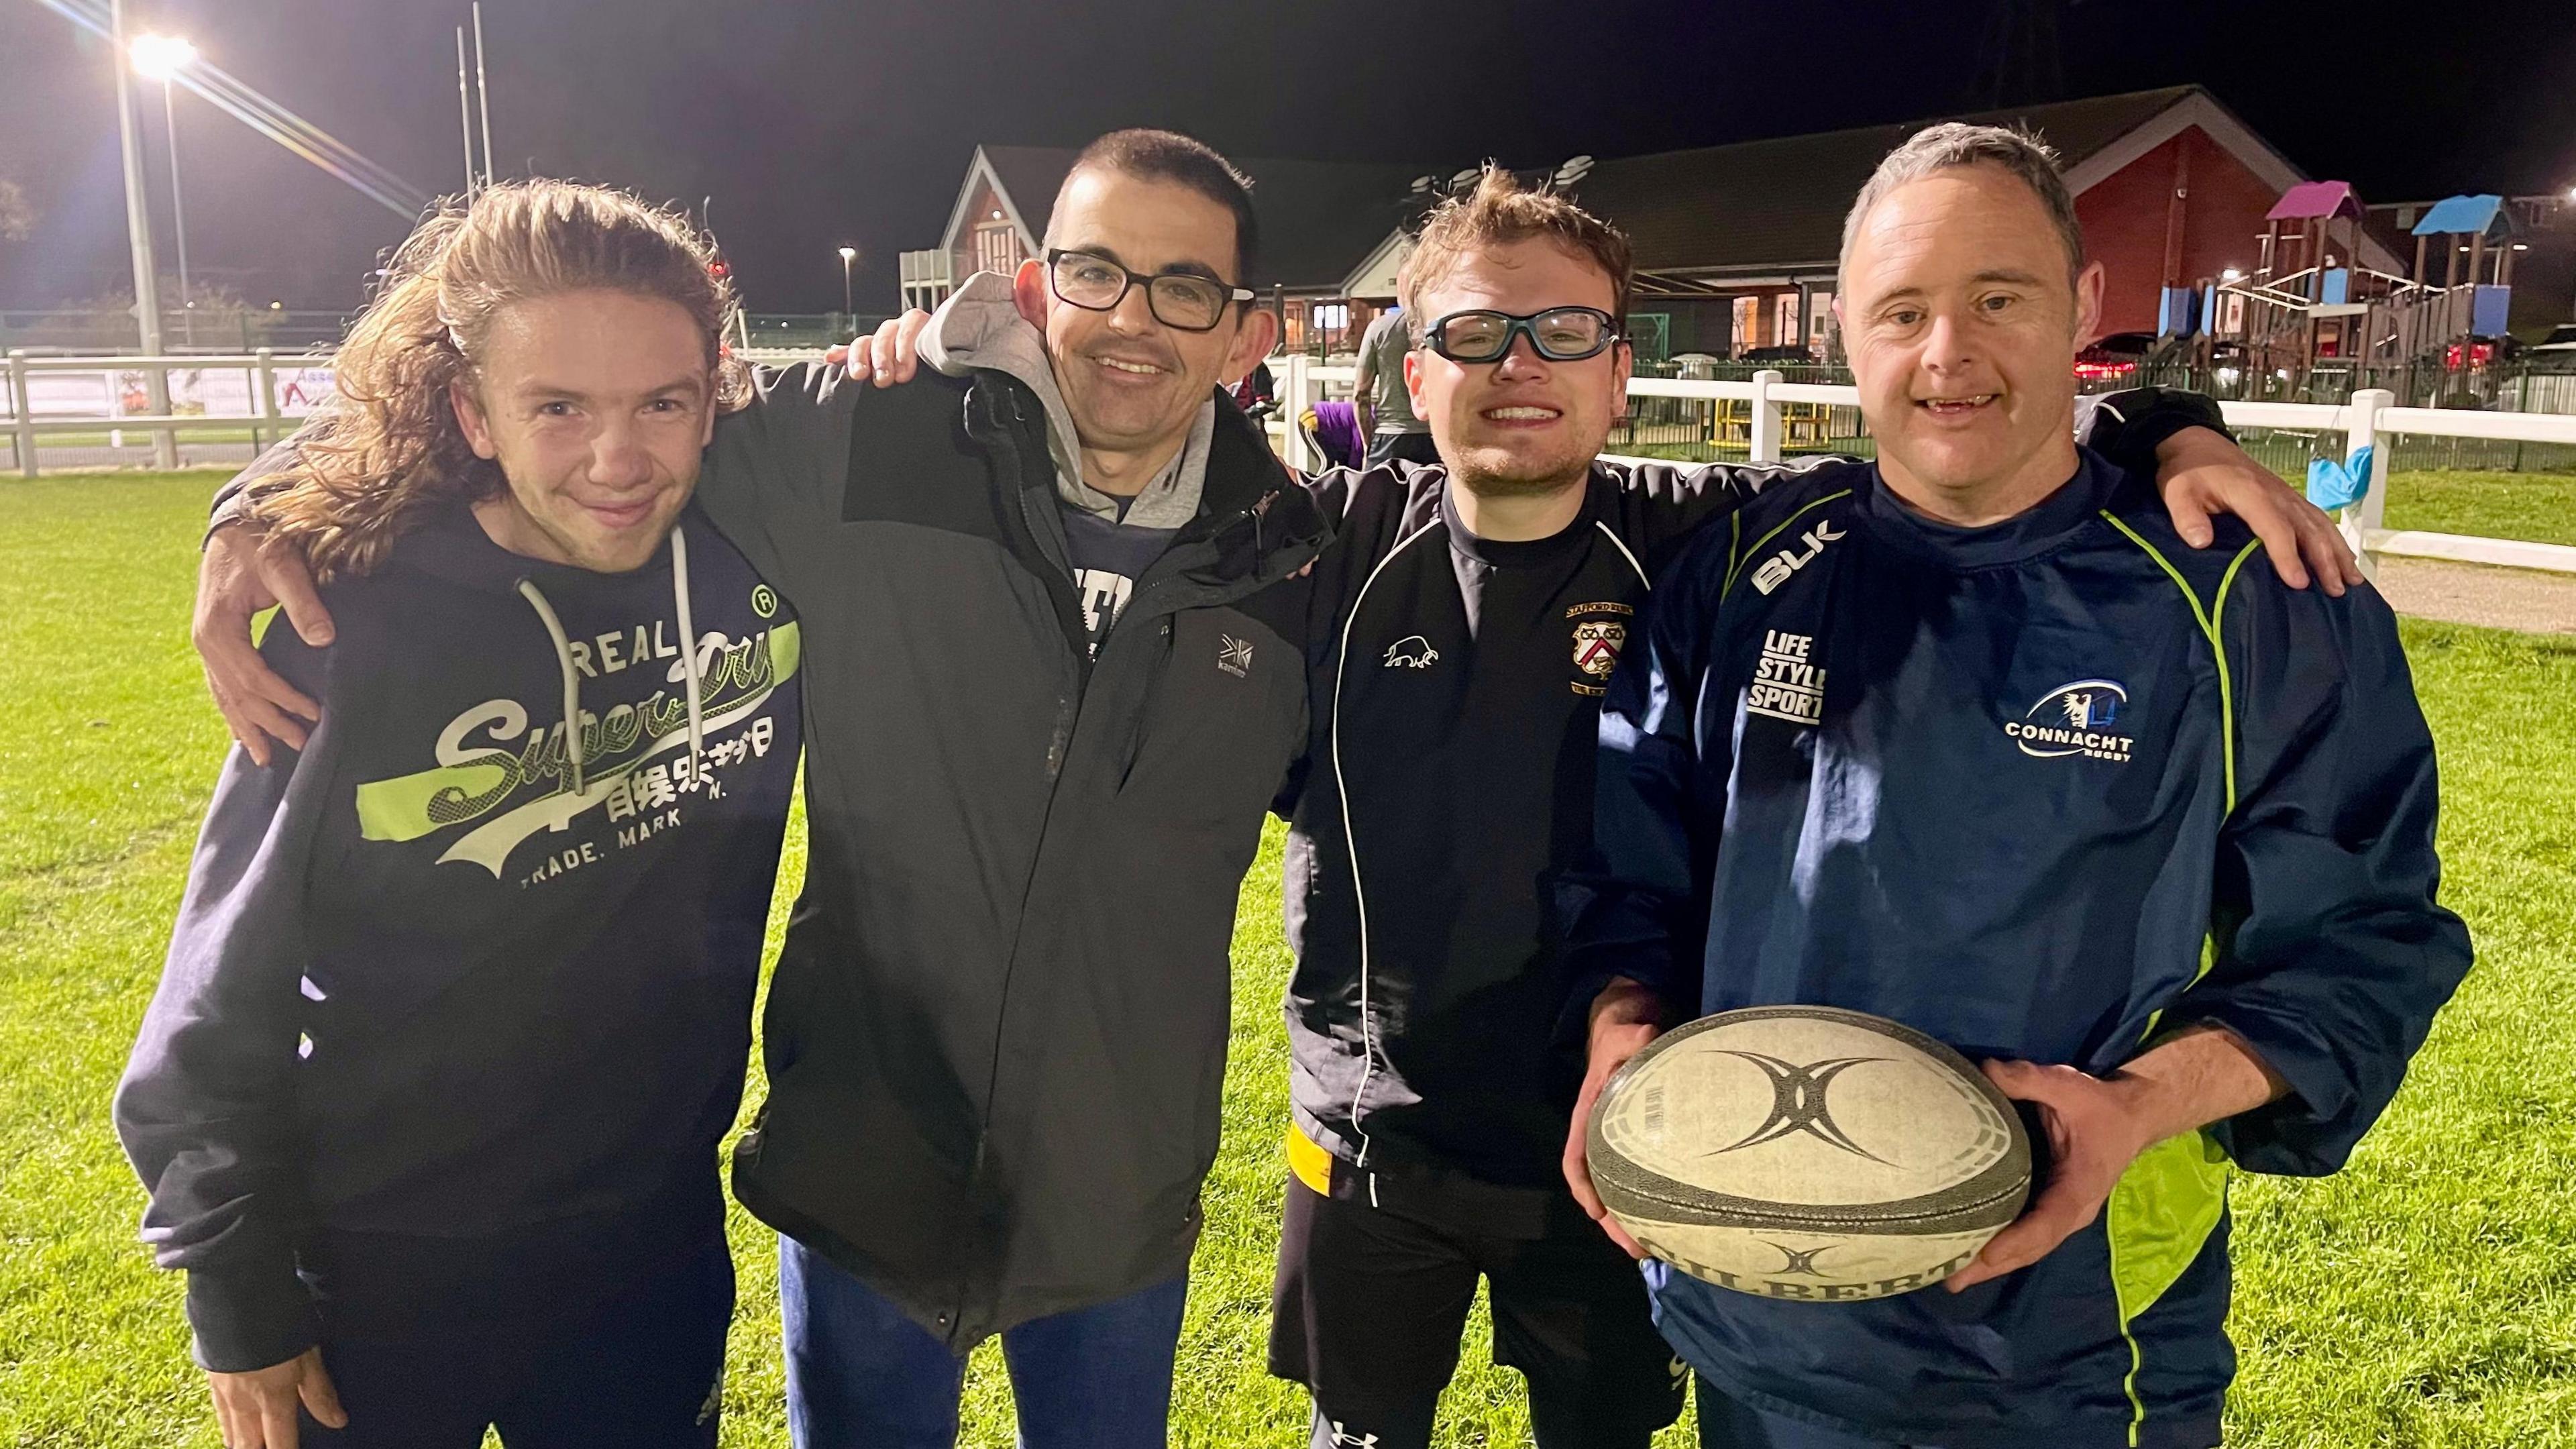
(1132, 384)
(597, 405)
(1522, 425)
(1962, 327)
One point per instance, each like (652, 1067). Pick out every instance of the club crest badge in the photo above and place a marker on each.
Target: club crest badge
(1600, 631)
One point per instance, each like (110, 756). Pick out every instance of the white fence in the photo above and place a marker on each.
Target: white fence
(64, 396)
(259, 393)
(2366, 419)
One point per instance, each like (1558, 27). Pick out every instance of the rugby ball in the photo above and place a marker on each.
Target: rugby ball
(1806, 1152)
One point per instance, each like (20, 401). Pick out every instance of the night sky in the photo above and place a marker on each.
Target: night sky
(814, 125)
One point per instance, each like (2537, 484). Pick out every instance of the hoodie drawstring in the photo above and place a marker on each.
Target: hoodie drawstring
(688, 649)
(571, 680)
(573, 748)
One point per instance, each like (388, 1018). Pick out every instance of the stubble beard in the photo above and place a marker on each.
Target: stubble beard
(1518, 482)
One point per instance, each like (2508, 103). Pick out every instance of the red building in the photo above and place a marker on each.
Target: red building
(1736, 245)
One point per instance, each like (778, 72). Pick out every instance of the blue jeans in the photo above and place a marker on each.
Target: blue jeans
(861, 1375)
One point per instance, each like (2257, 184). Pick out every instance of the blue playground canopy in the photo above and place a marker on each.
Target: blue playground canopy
(2461, 216)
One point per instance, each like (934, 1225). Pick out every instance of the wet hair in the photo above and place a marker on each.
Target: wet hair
(1501, 211)
(389, 451)
(1170, 156)
(1954, 144)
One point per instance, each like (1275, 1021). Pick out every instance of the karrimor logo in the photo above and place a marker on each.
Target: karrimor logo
(2075, 719)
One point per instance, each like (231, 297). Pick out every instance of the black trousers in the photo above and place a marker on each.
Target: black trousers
(427, 1351)
(1403, 448)
(1371, 1299)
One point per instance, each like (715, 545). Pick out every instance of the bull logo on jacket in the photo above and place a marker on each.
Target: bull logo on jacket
(1600, 632)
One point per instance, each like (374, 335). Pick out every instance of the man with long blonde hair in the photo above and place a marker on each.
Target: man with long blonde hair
(459, 998)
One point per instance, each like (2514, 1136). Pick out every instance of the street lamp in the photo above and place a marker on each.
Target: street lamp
(162, 57)
(848, 255)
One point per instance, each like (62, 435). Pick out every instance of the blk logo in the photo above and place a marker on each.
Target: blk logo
(1776, 569)
(1798, 1104)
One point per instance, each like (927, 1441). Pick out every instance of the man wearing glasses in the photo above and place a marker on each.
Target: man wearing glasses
(1053, 688)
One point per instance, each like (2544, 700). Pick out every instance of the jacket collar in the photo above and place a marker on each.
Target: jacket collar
(1254, 522)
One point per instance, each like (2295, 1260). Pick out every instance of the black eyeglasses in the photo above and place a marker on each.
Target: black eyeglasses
(1177, 299)
(1561, 334)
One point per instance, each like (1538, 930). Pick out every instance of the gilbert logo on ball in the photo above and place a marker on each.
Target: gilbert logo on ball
(1808, 1152)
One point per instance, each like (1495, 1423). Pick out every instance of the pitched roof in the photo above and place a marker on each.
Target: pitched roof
(2312, 199)
(2461, 215)
(1780, 202)
(1317, 217)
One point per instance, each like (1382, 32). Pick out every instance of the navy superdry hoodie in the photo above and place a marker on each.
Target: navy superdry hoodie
(448, 973)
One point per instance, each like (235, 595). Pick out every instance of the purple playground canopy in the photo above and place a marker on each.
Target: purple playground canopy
(2312, 199)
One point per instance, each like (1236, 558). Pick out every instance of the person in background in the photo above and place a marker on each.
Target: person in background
(1386, 417)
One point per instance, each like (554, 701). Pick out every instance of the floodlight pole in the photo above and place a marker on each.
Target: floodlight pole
(138, 227)
(482, 93)
(178, 212)
(465, 111)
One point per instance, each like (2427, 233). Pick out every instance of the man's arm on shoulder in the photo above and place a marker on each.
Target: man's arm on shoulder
(777, 464)
(240, 575)
(2180, 439)
(1679, 497)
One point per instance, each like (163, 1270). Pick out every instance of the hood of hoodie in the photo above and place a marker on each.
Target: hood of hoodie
(979, 328)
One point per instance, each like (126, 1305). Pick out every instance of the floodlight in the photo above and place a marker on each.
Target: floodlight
(159, 57)
(849, 253)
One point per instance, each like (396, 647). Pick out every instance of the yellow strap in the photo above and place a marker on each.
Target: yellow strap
(1312, 1164)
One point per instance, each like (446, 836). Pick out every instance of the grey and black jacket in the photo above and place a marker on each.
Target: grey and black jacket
(996, 1038)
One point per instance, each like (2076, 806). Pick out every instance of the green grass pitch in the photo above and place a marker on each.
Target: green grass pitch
(2426, 1297)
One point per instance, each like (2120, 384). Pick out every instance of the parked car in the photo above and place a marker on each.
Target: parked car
(2114, 356)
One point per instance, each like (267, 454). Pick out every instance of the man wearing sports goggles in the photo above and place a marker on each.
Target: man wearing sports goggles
(1564, 334)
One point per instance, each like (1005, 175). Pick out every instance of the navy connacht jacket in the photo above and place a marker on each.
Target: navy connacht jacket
(2045, 789)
